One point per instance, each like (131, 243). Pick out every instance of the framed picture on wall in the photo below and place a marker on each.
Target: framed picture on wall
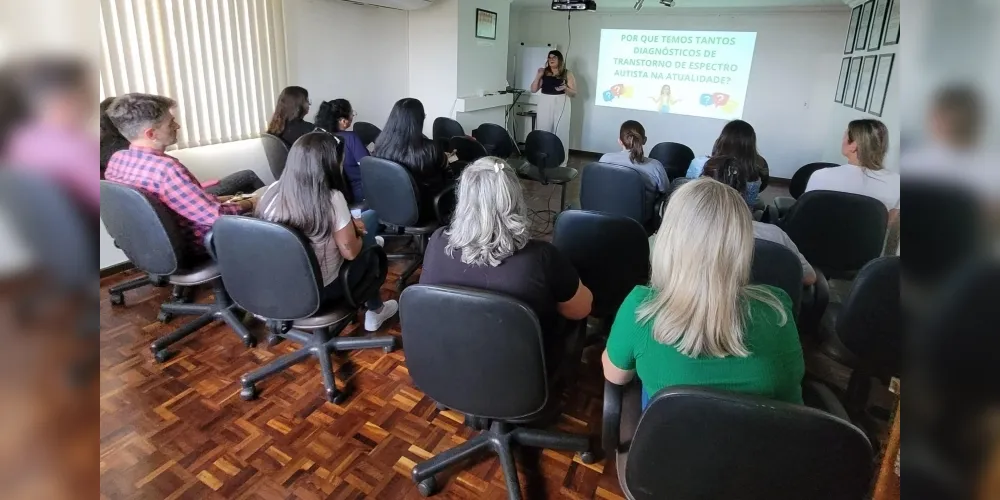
(865, 82)
(852, 30)
(845, 67)
(852, 82)
(892, 24)
(881, 86)
(864, 25)
(878, 24)
(486, 24)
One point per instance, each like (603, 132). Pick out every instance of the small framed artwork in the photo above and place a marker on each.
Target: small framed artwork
(852, 82)
(864, 25)
(845, 67)
(878, 24)
(865, 82)
(486, 24)
(881, 84)
(892, 24)
(852, 30)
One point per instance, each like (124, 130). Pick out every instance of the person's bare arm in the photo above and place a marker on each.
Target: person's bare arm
(348, 241)
(892, 238)
(536, 85)
(614, 374)
(570, 85)
(579, 306)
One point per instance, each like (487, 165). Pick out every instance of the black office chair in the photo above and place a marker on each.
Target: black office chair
(495, 139)
(277, 153)
(366, 132)
(481, 354)
(273, 273)
(950, 231)
(147, 232)
(797, 186)
(676, 158)
(467, 149)
(867, 331)
(610, 252)
(776, 265)
(545, 154)
(618, 190)
(392, 192)
(445, 128)
(696, 442)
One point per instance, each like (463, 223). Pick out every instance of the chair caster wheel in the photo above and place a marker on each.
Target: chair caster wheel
(162, 355)
(427, 487)
(336, 397)
(588, 457)
(164, 317)
(388, 349)
(248, 393)
(250, 342)
(273, 340)
(117, 299)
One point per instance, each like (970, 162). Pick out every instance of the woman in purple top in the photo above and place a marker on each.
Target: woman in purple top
(336, 116)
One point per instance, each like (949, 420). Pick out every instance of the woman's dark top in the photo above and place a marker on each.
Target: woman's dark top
(295, 129)
(549, 84)
(354, 151)
(111, 144)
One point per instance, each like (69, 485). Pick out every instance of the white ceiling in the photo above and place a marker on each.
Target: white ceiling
(655, 4)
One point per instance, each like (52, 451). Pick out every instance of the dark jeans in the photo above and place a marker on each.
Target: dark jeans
(244, 181)
(335, 290)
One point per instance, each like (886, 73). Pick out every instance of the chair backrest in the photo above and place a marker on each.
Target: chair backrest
(445, 128)
(391, 191)
(544, 149)
(467, 149)
(870, 321)
(145, 229)
(950, 231)
(277, 153)
(476, 352)
(495, 139)
(366, 132)
(776, 265)
(800, 179)
(53, 227)
(269, 269)
(676, 158)
(614, 189)
(837, 232)
(610, 252)
(694, 443)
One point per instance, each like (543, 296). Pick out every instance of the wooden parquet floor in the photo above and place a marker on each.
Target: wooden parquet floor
(180, 430)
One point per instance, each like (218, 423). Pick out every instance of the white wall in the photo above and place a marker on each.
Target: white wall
(433, 58)
(792, 80)
(341, 50)
(482, 63)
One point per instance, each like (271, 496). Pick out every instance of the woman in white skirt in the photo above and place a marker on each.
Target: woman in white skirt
(557, 85)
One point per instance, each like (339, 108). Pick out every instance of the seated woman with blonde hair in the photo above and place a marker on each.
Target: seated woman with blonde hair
(700, 322)
(488, 246)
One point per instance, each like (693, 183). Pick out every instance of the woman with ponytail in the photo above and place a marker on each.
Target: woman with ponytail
(632, 138)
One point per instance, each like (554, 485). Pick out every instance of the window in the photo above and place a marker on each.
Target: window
(222, 60)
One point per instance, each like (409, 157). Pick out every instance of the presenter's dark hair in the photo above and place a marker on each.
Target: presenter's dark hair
(402, 139)
(739, 141)
(293, 104)
(633, 137)
(302, 198)
(562, 64)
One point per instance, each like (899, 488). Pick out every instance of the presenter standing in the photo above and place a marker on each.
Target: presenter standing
(557, 85)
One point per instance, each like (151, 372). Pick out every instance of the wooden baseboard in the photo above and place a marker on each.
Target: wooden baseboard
(115, 269)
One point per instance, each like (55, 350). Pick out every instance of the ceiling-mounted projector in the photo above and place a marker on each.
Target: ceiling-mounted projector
(574, 5)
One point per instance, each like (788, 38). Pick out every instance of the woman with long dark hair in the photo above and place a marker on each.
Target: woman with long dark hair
(336, 117)
(402, 140)
(311, 198)
(737, 140)
(556, 84)
(288, 121)
(632, 139)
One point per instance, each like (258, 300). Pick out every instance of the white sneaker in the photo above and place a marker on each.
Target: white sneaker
(380, 241)
(373, 320)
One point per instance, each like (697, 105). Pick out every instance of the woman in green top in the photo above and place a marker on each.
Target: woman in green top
(700, 322)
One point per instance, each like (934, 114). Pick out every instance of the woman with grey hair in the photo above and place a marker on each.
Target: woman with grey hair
(488, 246)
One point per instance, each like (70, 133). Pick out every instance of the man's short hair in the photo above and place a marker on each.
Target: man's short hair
(133, 113)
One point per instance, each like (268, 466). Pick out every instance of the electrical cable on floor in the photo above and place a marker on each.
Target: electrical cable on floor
(543, 221)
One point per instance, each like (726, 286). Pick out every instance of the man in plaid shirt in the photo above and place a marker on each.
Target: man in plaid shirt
(148, 122)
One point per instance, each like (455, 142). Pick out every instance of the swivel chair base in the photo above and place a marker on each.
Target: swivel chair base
(223, 309)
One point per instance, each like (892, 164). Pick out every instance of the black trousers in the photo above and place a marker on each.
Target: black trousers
(244, 181)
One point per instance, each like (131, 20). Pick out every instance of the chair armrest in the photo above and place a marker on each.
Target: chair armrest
(357, 297)
(783, 204)
(611, 419)
(816, 299)
(445, 203)
(817, 395)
